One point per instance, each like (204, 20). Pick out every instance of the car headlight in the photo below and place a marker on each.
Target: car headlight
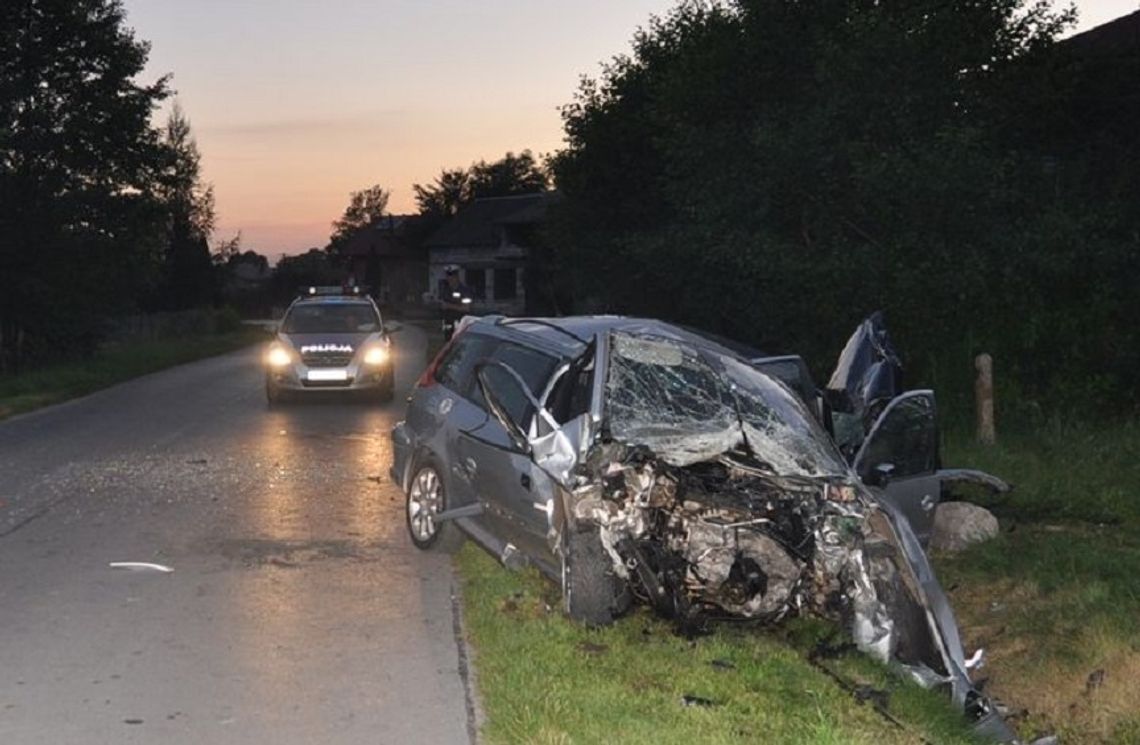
(375, 356)
(278, 356)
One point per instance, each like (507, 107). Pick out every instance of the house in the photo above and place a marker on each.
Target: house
(384, 258)
(1105, 63)
(492, 241)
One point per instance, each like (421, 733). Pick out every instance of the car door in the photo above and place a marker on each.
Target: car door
(454, 405)
(516, 493)
(900, 458)
(867, 376)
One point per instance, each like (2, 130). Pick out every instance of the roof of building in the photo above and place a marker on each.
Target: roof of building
(476, 224)
(1119, 37)
(386, 237)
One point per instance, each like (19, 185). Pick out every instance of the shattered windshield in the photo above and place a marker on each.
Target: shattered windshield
(778, 429)
(687, 407)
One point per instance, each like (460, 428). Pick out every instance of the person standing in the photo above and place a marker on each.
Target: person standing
(455, 301)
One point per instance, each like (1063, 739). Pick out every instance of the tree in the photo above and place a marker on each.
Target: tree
(80, 227)
(365, 207)
(455, 188)
(773, 170)
(227, 250)
(189, 203)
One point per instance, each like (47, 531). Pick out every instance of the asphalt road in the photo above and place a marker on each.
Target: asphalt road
(297, 611)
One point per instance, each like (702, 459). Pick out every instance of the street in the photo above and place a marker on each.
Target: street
(297, 610)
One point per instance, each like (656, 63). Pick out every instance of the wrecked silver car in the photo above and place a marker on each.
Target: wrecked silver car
(632, 459)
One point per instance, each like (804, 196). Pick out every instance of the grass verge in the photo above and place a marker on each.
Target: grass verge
(1055, 600)
(50, 385)
(545, 679)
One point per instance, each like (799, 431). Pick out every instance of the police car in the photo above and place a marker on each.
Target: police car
(330, 340)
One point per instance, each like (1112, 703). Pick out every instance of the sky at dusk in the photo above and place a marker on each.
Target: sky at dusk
(296, 103)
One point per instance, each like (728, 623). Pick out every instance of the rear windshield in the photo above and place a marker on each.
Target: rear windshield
(331, 318)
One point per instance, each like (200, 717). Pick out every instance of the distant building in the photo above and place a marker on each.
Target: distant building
(383, 258)
(1105, 63)
(492, 241)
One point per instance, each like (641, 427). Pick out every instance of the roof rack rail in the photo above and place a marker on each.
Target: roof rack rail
(504, 321)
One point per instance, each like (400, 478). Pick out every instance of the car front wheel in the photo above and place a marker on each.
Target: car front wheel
(591, 591)
(427, 498)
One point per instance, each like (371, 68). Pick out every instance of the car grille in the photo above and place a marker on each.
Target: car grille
(326, 359)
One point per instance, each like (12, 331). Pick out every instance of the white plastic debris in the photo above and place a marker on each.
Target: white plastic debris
(140, 565)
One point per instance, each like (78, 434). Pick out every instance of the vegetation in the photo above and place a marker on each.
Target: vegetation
(456, 188)
(545, 679)
(100, 212)
(364, 208)
(775, 170)
(116, 364)
(1055, 600)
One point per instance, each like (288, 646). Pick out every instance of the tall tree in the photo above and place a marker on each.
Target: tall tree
(364, 208)
(455, 188)
(189, 204)
(80, 228)
(774, 169)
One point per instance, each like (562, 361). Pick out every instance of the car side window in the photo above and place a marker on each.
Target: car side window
(456, 370)
(906, 437)
(534, 367)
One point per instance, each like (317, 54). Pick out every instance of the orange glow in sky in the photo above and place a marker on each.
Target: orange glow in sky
(295, 104)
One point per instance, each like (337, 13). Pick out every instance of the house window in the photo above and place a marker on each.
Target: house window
(477, 281)
(505, 284)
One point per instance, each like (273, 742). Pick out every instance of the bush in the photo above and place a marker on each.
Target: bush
(226, 320)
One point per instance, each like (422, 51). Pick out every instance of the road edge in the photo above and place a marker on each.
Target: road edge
(468, 675)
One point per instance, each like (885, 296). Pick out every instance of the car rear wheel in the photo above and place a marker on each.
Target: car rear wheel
(591, 591)
(426, 499)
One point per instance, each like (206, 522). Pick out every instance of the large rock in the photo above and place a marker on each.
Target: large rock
(961, 524)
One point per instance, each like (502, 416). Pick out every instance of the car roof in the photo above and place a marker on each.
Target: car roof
(570, 333)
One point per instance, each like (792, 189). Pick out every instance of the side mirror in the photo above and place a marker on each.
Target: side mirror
(881, 474)
(495, 403)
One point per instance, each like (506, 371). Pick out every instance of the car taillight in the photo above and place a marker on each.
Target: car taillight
(428, 377)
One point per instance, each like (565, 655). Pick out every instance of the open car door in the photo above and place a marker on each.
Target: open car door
(900, 457)
(868, 375)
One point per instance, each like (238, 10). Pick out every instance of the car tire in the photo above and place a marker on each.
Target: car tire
(426, 497)
(591, 591)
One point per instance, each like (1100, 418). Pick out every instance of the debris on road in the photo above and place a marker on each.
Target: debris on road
(140, 565)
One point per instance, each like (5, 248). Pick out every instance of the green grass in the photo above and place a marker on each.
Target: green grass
(1055, 601)
(1070, 472)
(50, 385)
(1056, 598)
(545, 679)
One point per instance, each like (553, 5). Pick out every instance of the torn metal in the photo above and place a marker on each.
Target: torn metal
(716, 494)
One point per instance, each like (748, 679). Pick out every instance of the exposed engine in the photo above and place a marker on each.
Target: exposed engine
(719, 539)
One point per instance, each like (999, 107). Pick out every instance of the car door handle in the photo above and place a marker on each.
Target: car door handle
(928, 503)
(525, 481)
(471, 466)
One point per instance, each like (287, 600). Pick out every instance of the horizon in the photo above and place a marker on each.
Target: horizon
(286, 137)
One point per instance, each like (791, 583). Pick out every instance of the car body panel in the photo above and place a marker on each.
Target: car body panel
(685, 448)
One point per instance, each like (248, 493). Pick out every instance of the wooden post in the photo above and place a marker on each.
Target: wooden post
(984, 394)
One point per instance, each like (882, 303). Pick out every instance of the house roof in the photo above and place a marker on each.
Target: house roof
(1120, 37)
(476, 224)
(385, 237)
